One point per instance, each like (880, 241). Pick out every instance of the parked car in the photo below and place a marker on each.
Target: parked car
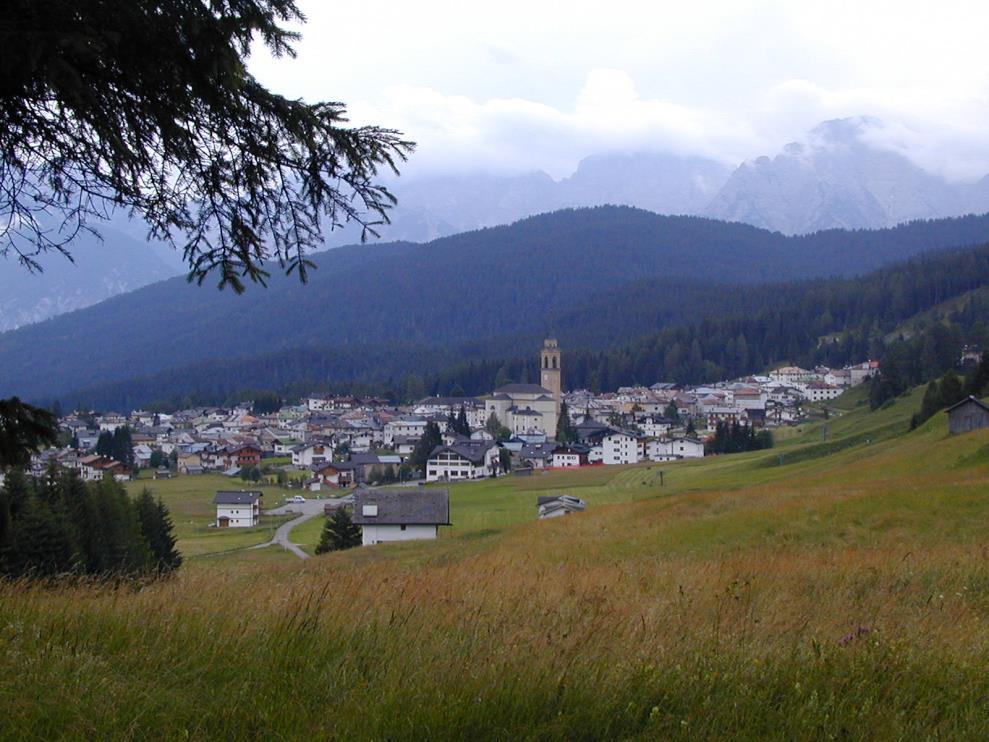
(296, 499)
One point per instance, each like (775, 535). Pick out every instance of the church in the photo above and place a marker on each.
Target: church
(531, 408)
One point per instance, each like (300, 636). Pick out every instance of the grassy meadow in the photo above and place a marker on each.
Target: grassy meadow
(834, 587)
(190, 503)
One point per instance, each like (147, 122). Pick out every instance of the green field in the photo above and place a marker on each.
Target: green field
(834, 587)
(190, 502)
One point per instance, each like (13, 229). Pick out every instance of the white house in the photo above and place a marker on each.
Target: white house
(401, 514)
(404, 428)
(307, 454)
(620, 447)
(672, 449)
(818, 391)
(241, 509)
(463, 460)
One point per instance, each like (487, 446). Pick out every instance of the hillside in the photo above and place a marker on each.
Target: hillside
(472, 296)
(710, 332)
(100, 268)
(841, 592)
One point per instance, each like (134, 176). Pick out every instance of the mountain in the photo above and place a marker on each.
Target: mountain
(101, 269)
(428, 208)
(839, 178)
(659, 182)
(439, 206)
(403, 307)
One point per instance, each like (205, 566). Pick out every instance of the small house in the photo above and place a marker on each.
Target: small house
(968, 415)
(240, 509)
(557, 505)
(401, 514)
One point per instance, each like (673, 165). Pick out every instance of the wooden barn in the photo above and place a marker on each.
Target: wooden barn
(967, 415)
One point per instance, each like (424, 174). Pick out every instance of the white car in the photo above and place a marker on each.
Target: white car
(296, 499)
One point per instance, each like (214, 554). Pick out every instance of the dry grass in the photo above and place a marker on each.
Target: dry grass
(841, 596)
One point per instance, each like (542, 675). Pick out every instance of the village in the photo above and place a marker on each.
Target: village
(324, 444)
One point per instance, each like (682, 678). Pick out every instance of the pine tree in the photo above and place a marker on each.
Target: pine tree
(951, 389)
(463, 427)
(122, 447)
(565, 430)
(978, 378)
(493, 424)
(431, 438)
(339, 532)
(40, 544)
(156, 527)
(104, 444)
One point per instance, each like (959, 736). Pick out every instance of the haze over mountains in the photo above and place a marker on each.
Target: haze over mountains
(403, 307)
(841, 176)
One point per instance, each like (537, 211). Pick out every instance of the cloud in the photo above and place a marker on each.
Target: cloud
(510, 135)
(519, 85)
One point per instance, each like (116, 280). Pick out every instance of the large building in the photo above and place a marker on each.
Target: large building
(531, 408)
(549, 363)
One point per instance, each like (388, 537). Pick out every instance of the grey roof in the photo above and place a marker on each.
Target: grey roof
(538, 450)
(449, 401)
(522, 389)
(242, 497)
(410, 506)
(968, 399)
(473, 451)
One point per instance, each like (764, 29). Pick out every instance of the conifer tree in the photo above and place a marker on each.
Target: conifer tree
(565, 430)
(104, 444)
(463, 427)
(431, 438)
(156, 527)
(23, 430)
(40, 544)
(339, 532)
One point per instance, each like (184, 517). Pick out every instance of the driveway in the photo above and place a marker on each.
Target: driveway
(306, 511)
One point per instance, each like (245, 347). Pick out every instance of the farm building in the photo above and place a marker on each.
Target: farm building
(967, 415)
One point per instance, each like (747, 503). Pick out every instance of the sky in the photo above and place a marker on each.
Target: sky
(516, 86)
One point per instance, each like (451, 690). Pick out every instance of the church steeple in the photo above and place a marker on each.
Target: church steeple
(550, 371)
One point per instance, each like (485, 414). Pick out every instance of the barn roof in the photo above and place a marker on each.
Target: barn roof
(409, 506)
(966, 401)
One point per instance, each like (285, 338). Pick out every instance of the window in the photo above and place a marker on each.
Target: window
(403, 526)
(369, 511)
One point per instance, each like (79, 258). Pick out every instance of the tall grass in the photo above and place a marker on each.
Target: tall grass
(845, 598)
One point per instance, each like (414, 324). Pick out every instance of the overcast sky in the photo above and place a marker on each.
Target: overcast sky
(515, 86)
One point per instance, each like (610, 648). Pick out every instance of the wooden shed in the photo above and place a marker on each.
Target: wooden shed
(968, 415)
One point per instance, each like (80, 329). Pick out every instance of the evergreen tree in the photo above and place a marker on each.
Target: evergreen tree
(139, 111)
(339, 532)
(122, 447)
(978, 379)
(156, 527)
(566, 432)
(431, 438)
(104, 444)
(493, 424)
(41, 543)
(463, 427)
(23, 430)
(505, 459)
(951, 389)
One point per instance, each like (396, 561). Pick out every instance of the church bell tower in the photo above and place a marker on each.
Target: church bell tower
(550, 369)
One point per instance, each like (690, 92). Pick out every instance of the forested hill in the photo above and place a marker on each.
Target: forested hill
(387, 310)
(720, 332)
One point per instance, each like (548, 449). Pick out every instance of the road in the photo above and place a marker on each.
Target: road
(307, 511)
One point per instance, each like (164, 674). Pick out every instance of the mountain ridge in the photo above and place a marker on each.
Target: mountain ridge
(473, 288)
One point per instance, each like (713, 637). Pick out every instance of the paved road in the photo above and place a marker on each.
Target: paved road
(307, 511)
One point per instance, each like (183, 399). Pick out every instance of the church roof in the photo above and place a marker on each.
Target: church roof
(522, 389)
